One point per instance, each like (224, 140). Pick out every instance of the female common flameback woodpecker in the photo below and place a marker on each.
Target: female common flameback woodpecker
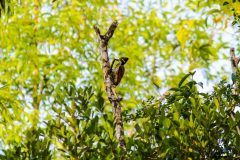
(118, 71)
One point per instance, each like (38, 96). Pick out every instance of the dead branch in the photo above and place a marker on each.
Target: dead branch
(114, 100)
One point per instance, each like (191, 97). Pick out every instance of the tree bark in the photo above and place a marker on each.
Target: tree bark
(234, 62)
(114, 100)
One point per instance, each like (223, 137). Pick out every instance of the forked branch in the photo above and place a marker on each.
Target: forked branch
(114, 100)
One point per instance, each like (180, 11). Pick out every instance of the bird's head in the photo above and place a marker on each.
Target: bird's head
(123, 60)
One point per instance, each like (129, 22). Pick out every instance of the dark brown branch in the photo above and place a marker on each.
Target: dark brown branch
(114, 100)
(111, 30)
(97, 31)
(234, 60)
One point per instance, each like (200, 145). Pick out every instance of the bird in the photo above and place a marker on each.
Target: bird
(118, 72)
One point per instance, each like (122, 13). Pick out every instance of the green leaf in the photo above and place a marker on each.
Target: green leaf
(216, 103)
(214, 11)
(185, 77)
(234, 22)
(69, 110)
(166, 123)
(176, 116)
(191, 123)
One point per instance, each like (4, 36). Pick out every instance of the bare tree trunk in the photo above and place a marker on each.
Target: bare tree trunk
(114, 100)
(235, 75)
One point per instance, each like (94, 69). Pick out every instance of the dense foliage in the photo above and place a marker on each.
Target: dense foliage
(53, 100)
(184, 124)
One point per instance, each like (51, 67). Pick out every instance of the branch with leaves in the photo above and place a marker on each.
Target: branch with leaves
(108, 81)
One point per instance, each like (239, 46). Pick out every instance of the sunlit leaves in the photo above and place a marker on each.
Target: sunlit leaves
(229, 7)
(49, 59)
(184, 32)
